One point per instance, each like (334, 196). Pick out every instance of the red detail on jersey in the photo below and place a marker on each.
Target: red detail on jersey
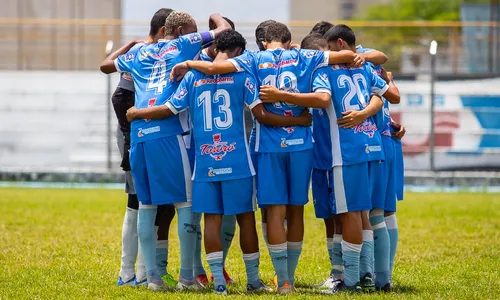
(218, 149)
(151, 103)
(367, 128)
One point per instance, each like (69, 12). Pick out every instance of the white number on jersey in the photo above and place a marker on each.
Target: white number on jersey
(221, 96)
(354, 90)
(157, 78)
(287, 82)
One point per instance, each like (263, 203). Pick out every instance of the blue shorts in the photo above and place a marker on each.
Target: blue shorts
(161, 171)
(322, 191)
(228, 197)
(399, 166)
(284, 177)
(383, 179)
(351, 187)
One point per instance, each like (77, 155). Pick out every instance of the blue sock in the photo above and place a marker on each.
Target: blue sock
(337, 262)
(392, 228)
(252, 261)
(162, 256)
(147, 237)
(198, 264)
(280, 262)
(329, 248)
(227, 229)
(366, 258)
(215, 263)
(187, 240)
(294, 250)
(382, 248)
(350, 255)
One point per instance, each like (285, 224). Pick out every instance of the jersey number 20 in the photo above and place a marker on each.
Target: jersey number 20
(222, 98)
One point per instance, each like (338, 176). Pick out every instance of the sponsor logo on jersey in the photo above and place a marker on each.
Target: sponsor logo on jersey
(219, 80)
(294, 142)
(288, 113)
(194, 38)
(367, 127)
(250, 86)
(369, 148)
(146, 131)
(151, 103)
(180, 94)
(165, 51)
(324, 76)
(129, 57)
(219, 149)
(222, 171)
(145, 54)
(310, 53)
(281, 64)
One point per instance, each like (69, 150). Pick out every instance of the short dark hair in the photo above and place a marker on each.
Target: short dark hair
(343, 32)
(230, 40)
(260, 32)
(321, 27)
(278, 32)
(158, 20)
(314, 41)
(211, 25)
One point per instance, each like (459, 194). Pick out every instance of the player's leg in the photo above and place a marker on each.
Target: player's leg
(299, 176)
(164, 217)
(227, 230)
(367, 255)
(272, 191)
(337, 261)
(200, 276)
(392, 229)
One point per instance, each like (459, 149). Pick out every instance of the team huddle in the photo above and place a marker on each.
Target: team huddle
(320, 117)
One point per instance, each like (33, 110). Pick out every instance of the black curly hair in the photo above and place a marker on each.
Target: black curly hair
(230, 40)
(278, 32)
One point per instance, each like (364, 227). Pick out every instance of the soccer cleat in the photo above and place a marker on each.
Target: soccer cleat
(367, 284)
(221, 290)
(259, 289)
(341, 287)
(157, 285)
(228, 279)
(188, 286)
(169, 281)
(329, 283)
(387, 288)
(140, 283)
(130, 282)
(202, 280)
(285, 289)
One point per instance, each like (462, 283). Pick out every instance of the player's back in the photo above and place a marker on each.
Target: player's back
(216, 105)
(348, 89)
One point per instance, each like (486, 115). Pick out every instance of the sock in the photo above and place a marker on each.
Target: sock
(366, 257)
(294, 250)
(198, 264)
(162, 256)
(279, 257)
(337, 262)
(381, 247)
(252, 261)
(392, 229)
(329, 248)
(129, 244)
(350, 255)
(264, 232)
(227, 229)
(140, 275)
(147, 237)
(187, 239)
(214, 260)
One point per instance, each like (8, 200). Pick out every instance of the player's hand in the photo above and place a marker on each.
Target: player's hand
(351, 119)
(270, 94)
(358, 61)
(387, 76)
(293, 45)
(400, 131)
(178, 71)
(131, 113)
(305, 118)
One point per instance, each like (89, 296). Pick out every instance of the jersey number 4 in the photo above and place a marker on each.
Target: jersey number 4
(222, 98)
(157, 80)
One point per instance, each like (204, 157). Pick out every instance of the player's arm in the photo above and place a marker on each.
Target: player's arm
(375, 57)
(343, 57)
(153, 113)
(270, 94)
(220, 23)
(353, 118)
(206, 67)
(108, 65)
(267, 118)
(399, 130)
(392, 94)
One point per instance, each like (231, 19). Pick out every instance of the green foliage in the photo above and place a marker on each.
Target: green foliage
(65, 244)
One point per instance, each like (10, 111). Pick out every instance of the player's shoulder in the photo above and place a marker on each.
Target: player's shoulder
(191, 38)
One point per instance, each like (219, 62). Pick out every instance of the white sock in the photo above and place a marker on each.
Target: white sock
(129, 244)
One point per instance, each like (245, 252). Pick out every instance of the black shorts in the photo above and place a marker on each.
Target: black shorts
(122, 100)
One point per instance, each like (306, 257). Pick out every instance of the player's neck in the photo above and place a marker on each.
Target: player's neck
(169, 37)
(221, 56)
(275, 45)
(211, 53)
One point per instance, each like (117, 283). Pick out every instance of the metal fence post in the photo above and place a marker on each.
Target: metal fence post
(432, 51)
(109, 48)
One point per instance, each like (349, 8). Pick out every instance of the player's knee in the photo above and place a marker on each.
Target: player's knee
(133, 201)
(246, 220)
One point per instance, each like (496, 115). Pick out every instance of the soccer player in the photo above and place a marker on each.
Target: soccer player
(123, 99)
(285, 153)
(152, 140)
(353, 147)
(321, 28)
(228, 226)
(223, 177)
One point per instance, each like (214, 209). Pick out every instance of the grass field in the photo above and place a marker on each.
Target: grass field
(65, 244)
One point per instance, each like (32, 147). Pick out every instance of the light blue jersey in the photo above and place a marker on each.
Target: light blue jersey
(204, 56)
(150, 67)
(350, 89)
(323, 119)
(291, 71)
(216, 106)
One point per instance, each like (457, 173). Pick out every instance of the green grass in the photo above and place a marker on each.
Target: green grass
(65, 244)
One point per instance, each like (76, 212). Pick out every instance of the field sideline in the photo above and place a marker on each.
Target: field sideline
(65, 244)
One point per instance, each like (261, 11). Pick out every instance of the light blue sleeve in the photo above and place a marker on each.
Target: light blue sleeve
(314, 59)
(251, 92)
(245, 62)
(321, 82)
(191, 44)
(378, 85)
(125, 62)
(180, 99)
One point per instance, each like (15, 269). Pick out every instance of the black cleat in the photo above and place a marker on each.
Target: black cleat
(367, 284)
(387, 288)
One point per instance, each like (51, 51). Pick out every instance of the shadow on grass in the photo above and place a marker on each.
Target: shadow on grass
(398, 289)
